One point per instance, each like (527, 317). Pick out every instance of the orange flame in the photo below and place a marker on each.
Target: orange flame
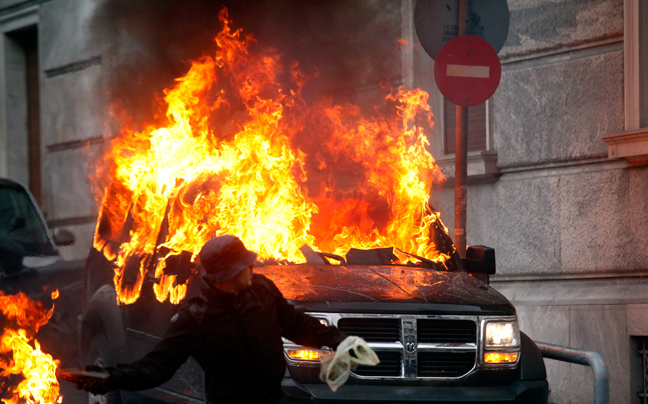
(243, 153)
(20, 353)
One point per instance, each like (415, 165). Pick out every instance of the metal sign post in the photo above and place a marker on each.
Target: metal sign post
(461, 149)
(467, 70)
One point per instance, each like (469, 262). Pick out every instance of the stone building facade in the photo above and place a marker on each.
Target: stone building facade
(567, 211)
(558, 184)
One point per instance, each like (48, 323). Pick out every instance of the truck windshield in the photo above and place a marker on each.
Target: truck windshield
(21, 223)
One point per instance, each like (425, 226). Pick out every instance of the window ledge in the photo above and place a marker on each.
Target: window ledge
(482, 167)
(632, 145)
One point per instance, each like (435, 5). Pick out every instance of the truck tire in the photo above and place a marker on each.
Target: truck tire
(101, 354)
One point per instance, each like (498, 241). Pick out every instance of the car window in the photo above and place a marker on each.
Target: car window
(21, 223)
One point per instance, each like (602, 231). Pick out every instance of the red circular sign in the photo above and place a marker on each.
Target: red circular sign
(467, 70)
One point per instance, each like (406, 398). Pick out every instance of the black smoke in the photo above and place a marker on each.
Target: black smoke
(149, 43)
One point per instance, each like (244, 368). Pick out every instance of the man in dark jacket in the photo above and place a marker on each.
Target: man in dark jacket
(233, 330)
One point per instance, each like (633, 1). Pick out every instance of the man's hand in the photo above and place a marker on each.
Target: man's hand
(94, 379)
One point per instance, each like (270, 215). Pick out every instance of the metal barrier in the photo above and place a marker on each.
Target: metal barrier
(587, 358)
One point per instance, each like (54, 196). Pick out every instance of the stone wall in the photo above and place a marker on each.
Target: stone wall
(73, 115)
(72, 110)
(569, 225)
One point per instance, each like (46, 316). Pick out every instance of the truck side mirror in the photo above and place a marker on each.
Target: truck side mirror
(479, 260)
(62, 237)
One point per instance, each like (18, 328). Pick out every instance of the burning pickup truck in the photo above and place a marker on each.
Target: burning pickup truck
(336, 204)
(441, 334)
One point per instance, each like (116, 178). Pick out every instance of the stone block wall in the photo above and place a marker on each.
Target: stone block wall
(74, 114)
(603, 315)
(555, 109)
(561, 89)
(569, 225)
(72, 108)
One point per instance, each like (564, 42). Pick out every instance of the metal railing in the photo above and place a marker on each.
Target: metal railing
(587, 358)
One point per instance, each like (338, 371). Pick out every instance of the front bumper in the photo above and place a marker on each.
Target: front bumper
(520, 391)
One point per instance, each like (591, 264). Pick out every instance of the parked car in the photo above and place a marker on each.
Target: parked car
(30, 262)
(442, 335)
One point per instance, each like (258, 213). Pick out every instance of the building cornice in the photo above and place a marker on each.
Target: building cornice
(632, 145)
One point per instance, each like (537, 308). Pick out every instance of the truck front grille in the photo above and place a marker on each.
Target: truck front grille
(416, 347)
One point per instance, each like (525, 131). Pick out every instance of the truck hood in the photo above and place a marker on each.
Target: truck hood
(359, 287)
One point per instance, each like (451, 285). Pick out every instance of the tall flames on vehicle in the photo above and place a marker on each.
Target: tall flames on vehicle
(242, 152)
(27, 374)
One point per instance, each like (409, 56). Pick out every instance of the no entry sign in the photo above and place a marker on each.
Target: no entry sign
(467, 70)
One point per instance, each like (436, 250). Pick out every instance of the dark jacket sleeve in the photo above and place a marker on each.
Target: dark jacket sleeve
(301, 328)
(159, 365)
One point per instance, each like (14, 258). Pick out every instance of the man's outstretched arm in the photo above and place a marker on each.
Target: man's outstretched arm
(157, 367)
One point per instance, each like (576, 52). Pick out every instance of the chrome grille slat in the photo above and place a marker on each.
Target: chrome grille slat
(436, 364)
(451, 331)
(371, 329)
(390, 364)
(446, 347)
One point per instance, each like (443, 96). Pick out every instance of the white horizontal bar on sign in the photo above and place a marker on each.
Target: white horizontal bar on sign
(480, 72)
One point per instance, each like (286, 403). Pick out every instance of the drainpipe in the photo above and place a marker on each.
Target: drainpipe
(461, 148)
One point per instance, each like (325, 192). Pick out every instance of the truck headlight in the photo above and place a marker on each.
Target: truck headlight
(501, 343)
(502, 334)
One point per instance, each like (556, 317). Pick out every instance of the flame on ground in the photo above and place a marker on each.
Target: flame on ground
(243, 153)
(20, 353)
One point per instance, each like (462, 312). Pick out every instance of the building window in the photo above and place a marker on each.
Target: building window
(482, 158)
(643, 63)
(635, 40)
(632, 144)
(476, 127)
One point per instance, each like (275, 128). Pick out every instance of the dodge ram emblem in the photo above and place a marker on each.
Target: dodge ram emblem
(410, 343)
